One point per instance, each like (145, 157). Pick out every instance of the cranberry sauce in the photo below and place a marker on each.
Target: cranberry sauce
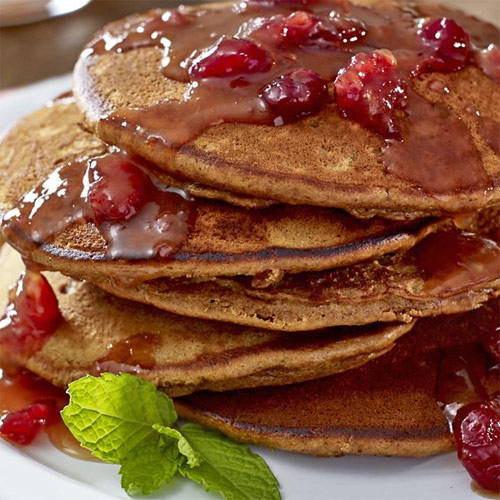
(29, 406)
(138, 216)
(131, 355)
(31, 316)
(454, 261)
(268, 62)
(490, 132)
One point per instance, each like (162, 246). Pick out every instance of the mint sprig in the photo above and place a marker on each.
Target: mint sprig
(123, 419)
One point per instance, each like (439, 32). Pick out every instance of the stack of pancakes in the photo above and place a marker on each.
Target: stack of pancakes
(319, 301)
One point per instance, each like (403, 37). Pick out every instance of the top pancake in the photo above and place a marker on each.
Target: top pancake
(323, 160)
(226, 239)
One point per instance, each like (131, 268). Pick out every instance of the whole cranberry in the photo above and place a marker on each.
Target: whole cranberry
(489, 61)
(31, 316)
(477, 433)
(118, 188)
(296, 94)
(449, 42)
(231, 57)
(23, 426)
(370, 89)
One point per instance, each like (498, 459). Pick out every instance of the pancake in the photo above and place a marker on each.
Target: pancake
(447, 272)
(385, 407)
(225, 239)
(130, 97)
(182, 355)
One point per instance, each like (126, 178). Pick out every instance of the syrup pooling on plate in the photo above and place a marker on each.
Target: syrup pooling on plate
(20, 390)
(229, 55)
(138, 216)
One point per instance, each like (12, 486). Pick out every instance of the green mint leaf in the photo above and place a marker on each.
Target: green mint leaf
(112, 414)
(193, 458)
(149, 466)
(228, 468)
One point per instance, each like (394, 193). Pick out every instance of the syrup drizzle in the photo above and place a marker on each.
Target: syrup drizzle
(461, 371)
(131, 355)
(182, 33)
(453, 261)
(157, 230)
(490, 132)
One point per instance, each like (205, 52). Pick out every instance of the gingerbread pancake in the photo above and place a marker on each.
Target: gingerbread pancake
(223, 238)
(144, 85)
(182, 355)
(447, 272)
(389, 406)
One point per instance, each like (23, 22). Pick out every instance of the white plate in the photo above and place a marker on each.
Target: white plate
(42, 472)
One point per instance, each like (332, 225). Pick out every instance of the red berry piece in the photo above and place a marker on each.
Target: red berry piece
(303, 28)
(118, 188)
(296, 94)
(477, 432)
(346, 30)
(449, 42)
(489, 61)
(298, 27)
(369, 91)
(231, 57)
(23, 426)
(31, 316)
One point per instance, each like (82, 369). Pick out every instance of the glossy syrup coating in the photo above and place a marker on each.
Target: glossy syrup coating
(332, 39)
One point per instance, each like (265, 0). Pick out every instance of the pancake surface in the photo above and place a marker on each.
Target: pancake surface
(324, 159)
(179, 354)
(225, 239)
(447, 272)
(386, 407)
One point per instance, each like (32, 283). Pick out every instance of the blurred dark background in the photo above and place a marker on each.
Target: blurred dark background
(48, 48)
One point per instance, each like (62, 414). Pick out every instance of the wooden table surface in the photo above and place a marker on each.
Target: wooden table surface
(43, 49)
(39, 50)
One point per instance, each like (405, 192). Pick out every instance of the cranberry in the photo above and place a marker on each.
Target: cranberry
(230, 57)
(296, 94)
(489, 61)
(32, 314)
(347, 30)
(117, 188)
(303, 28)
(297, 28)
(370, 89)
(477, 432)
(449, 42)
(23, 426)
